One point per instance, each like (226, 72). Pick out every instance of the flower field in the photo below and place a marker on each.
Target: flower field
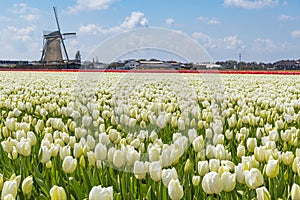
(149, 136)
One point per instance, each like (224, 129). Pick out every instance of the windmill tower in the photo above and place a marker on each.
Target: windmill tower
(52, 42)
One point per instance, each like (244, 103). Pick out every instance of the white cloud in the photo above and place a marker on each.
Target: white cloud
(4, 19)
(30, 17)
(250, 4)
(136, 19)
(264, 44)
(295, 34)
(284, 17)
(19, 43)
(26, 12)
(83, 5)
(23, 34)
(89, 29)
(170, 21)
(229, 42)
(211, 21)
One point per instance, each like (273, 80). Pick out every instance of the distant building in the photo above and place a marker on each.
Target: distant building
(207, 66)
(131, 64)
(287, 64)
(154, 65)
(176, 65)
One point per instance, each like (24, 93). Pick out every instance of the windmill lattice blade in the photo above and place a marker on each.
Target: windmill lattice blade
(56, 18)
(69, 33)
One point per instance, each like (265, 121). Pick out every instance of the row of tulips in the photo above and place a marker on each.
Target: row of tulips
(154, 136)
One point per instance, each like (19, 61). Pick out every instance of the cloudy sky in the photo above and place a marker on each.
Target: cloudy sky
(261, 30)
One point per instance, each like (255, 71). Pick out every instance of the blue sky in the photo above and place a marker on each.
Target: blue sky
(261, 30)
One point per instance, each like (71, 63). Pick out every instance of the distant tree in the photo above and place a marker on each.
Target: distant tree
(78, 56)
(114, 65)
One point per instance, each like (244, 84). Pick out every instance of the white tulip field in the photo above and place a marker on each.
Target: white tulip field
(97, 135)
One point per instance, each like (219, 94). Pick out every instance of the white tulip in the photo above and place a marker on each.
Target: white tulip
(168, 175)
(214, 165)
(69, 164)
(262, 193)
(58, 193)
(132, 157)
(253, 178)
(295, 192)
(118, 158)
(175, 190)
(100, 151)
(45, 154)
(10, 187)
(91, 158)
(27, 185)
(155, 170)
(241, 150)
(212, 183)
(198, 143)
(99, 192)
(287, 157)
(154, 154)
(240, 177)
(228, 181)
(90, 141)
(203, 167)
(251, 144)
(139, 170)
(64, 151)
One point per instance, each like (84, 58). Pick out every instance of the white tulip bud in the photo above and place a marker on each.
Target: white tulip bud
(86, 121)
(132, 157)
(90, 141)
(99, 192)
(214, 165)
(259, 153)
(198, 143)
(58, 193)
(228, 134)
(203, 167)
(100, 151)
(118, 158)
(241, 150)
(155, 171)
(295, 192)
(45, 154)
(64, 151)
(175, 190)
(196, 180)
(91, 158)
(262, 193)
(10, 187)
(27, 186)
(228, 181)
(287, 157)
(253, 178)
(139, 170)
(251, 144)
(69, 164)
(208, 133)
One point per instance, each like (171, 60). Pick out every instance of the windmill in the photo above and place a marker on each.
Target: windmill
(52, 52)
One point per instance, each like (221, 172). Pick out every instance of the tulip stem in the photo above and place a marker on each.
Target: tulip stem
(120, 183)
(69, 188)
(271, 189)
